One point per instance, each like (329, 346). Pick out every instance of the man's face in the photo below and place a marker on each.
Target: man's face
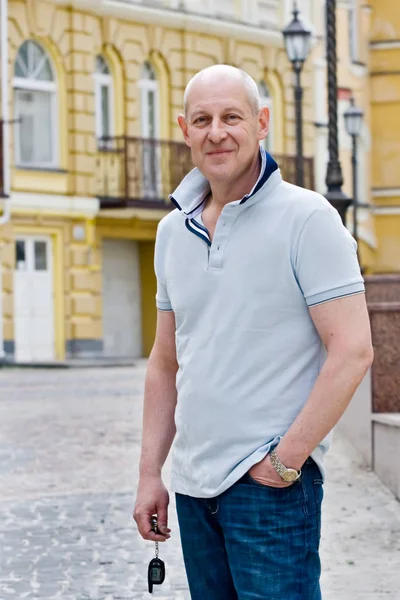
(221, 128)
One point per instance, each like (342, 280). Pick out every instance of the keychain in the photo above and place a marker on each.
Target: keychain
(156, 571)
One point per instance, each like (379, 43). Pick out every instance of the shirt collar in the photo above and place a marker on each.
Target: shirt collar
(190, 195)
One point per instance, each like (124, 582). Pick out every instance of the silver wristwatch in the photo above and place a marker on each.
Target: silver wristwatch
(288, 475)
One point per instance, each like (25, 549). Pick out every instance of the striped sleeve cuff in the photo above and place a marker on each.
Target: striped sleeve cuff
(341, 292)
(163, 306)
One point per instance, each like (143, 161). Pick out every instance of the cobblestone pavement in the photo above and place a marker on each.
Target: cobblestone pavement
(69, 448)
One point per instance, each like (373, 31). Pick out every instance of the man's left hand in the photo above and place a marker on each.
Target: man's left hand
(265, 474)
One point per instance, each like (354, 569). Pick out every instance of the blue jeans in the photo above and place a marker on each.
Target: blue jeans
(254, 542)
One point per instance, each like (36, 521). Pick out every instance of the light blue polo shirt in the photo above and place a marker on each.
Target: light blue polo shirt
(247, 349)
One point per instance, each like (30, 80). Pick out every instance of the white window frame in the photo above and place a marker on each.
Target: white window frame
(245, 11)
(354, 34)
(103, 80)
(146, 86)
(253, 12)
(268, 142)
(27, 84)
(29, 242)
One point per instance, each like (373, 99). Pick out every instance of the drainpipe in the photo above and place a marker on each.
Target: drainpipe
(6, 146)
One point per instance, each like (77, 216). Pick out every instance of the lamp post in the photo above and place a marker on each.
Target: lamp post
(297, 43)
(334, 177)
(353, 119)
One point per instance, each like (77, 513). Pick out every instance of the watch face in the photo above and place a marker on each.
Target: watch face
(290, 475)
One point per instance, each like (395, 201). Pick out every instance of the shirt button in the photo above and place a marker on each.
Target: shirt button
(218, 247)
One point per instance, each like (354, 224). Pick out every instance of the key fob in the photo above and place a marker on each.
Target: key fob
(154, 526)
(156, 573)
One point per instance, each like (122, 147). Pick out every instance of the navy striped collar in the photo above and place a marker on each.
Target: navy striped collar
(190, 196)
(198, 229)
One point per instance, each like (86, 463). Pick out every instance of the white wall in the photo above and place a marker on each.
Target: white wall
(356, 422)
(386, 443)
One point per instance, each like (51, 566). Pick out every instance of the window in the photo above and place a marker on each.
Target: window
(35, 96)
(149, 95)
(245, 14)
(32, 255)
(150, 123)
(20, 255)
(40, 254)
(353, 31)
(103, 99)
(267, 12)
(266, 100)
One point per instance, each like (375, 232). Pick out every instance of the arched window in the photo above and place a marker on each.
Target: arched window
(150, 124)
(266, 100)
(149, 96)
(35, 107)
(103, 99)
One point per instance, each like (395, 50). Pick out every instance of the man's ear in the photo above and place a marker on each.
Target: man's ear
(184, 128)
(263, 122)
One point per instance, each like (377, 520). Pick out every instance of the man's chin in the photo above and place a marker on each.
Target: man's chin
(218, 173)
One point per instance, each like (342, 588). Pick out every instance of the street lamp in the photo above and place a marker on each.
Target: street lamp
(334, 177)
(297, 43)
(353, 120)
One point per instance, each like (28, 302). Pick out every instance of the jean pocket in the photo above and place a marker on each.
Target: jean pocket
(256, 483)
(318, 497)
(318, 491)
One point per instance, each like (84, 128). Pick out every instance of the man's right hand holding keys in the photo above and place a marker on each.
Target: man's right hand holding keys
(152, 499)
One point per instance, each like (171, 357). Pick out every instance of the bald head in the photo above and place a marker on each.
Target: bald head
(216, 74)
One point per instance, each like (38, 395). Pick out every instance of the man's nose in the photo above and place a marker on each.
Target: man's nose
(217, 131)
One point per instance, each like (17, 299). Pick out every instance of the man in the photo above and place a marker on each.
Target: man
(262, 338)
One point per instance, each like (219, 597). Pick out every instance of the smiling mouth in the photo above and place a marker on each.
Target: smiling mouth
(216, 152)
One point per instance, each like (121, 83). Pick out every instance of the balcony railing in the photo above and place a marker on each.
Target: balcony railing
(137, 172)
(259, 13)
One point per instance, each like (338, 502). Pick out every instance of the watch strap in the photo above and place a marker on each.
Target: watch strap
(280, 467)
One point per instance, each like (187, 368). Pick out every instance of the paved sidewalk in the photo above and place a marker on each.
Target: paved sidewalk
(69, 448)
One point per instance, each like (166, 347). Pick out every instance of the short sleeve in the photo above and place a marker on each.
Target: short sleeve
(162, 299)
(325, 261)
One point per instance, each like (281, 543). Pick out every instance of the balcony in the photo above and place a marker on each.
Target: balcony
(257, 13)
(137, 172)
(133, 172)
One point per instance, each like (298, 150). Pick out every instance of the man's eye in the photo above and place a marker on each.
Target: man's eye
(200, 121)
(232, 118)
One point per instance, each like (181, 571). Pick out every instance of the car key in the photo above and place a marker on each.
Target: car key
(156, 570)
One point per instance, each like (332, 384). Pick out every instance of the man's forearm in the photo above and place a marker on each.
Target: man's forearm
(158, 415)
(332, 392)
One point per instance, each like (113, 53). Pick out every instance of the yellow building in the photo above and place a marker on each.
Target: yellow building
(77, 251)
(353, 19)
(385, 128)
(91, 90)
(368, 49)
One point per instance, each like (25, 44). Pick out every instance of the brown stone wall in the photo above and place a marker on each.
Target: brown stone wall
(383, 298)
(385, 323)
(382, 288)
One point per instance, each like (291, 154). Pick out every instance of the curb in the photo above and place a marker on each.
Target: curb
(70, 364)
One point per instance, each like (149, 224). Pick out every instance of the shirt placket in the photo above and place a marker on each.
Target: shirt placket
(221, 236)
